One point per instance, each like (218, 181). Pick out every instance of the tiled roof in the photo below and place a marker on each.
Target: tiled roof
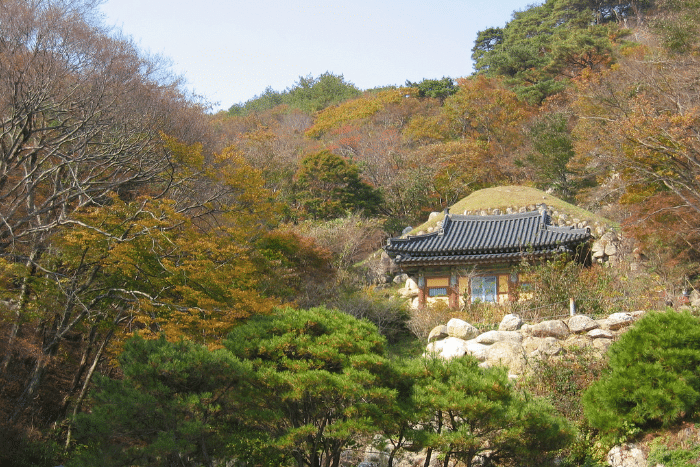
(467, 239)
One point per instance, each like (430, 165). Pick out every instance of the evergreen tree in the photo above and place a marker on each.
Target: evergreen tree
(471, 413)
(435, 88)
(330, 186)
(311, 94)
(177, 404)
(322, 372)
(553, 148)
(543, 46)
(653, 376)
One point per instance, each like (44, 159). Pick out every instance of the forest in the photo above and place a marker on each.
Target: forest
(186, 288)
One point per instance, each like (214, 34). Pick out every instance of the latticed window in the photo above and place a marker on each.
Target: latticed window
(437, 286)
(484, 288)
(437, 292)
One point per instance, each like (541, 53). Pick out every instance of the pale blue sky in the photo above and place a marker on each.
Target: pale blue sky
(230, 51)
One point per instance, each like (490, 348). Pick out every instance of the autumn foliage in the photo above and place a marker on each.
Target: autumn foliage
(125, 208)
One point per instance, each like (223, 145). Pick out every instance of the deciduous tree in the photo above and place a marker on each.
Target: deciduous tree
(649, 115)
(82, 112)
(154, 264)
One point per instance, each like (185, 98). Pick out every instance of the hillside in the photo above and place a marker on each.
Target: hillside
(137, 231)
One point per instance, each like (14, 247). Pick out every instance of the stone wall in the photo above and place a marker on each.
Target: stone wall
(518, 345)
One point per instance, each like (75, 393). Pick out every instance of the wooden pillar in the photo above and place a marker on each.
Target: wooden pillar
(453, 292)
(513, 287)
(422, 299)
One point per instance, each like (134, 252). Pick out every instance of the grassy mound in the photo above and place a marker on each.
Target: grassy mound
(503, 197)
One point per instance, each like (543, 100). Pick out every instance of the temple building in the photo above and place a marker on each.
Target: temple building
(476, 258)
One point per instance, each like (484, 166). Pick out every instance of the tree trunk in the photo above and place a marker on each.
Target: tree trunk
(21, 304)
(390, 462)
(32, 385)
(78, 375)
(428, 455)
(205, 453)
(86, 383)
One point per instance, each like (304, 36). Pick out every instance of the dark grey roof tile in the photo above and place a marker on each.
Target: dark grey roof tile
(463, 238)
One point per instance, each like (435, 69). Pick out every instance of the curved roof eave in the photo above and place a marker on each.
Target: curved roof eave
(478, 235)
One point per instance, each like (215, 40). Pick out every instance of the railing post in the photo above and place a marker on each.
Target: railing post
(572, 306)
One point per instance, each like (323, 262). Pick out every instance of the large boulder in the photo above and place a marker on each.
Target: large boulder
(410, 289)
(461, 329)
(438, 332)
(553, 328)
(510, 322)
(491, 337)
(453, 347)
(617, 321)
(477, 350)
(509, 354)
(627, 455)
(448, 348)
(435, 347)
(600, 334)
(581, 323)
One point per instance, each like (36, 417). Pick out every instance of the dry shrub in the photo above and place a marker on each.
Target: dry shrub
(596, 290)
(424, 319)
(389, 315)
(484, 315)
(350, 239)
(563, 379)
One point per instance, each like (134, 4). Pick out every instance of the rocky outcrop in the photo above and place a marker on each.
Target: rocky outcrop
(491, 337)
(606, 248)
(558, 218)
(509, 354)
(627, 455)
(516, 345)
